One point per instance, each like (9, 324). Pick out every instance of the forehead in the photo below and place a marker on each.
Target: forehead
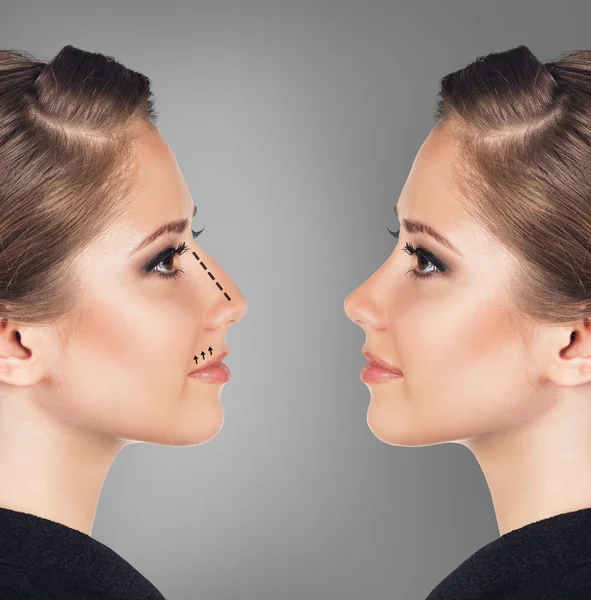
(160, 191)
(158, 195)
(431, 195)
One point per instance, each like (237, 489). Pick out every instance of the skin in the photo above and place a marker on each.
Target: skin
(73, 396)
(476, 373)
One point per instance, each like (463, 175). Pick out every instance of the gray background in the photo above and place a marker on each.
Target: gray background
(295, 125)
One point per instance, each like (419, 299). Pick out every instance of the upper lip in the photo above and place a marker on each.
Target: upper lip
(208, 363)
(378, 361)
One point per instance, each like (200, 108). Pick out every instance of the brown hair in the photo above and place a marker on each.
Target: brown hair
(66, 128)
(523, 129)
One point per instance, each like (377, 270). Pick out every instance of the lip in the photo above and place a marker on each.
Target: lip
(213, 371)
(378, 370)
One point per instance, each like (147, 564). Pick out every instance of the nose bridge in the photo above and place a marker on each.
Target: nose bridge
(228, 305)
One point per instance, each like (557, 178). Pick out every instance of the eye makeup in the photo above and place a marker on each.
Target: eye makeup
(167, 256)
(422, 255)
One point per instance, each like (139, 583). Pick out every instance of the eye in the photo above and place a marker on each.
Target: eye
(422, 255)
(167, 256)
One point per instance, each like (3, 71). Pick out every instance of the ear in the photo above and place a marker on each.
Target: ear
(21, 352)
(570, 361)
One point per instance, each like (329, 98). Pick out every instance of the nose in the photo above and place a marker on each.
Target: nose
(227, 312)
(362, 308)
(228, 305)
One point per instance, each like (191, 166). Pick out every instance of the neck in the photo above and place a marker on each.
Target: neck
(540, 468)
(50, 469)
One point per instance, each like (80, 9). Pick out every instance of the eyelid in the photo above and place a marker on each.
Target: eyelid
(422, 252)
(430, 257)
(167, 253)
(163, 255)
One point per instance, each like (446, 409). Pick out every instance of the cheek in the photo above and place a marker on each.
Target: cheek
(464, 372)
(126, 367)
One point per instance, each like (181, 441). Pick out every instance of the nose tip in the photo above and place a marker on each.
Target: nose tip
(350, 308)
(238, 308)
(242, 309)
(225, 313)
(363, 309)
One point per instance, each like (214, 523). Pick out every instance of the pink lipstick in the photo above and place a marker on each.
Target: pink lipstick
(214, 371)
(377, 370)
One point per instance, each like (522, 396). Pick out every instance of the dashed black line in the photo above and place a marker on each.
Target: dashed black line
(211, 275)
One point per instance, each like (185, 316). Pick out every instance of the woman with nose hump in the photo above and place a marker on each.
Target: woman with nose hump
(112, 318)
(477, 328)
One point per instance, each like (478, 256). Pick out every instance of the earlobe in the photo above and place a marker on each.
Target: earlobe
(17, 368)
(20, 372)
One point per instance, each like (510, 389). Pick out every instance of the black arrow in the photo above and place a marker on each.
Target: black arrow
(196, 359)
(203, 354)
(210, 350)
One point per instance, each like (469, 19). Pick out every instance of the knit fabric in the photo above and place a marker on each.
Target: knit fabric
(44, 560)
(548, 559)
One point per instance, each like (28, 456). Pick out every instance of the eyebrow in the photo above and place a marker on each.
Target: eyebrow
(173, 227)
(418, 227)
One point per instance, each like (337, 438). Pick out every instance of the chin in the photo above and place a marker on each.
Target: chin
(195, 429)
(401, 427)
(208, 426)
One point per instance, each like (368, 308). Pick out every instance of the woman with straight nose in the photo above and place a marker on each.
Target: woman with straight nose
(477, 328)
(107, 304)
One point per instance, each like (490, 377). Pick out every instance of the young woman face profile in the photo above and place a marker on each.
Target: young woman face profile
(142, 323)
(115, 369)
(443, 317)
(490, 330)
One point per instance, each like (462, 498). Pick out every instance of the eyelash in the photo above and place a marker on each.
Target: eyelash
(167, 255)
(424, 255)
(421, 253)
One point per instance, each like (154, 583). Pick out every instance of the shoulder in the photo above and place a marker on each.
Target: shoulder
(16, 584)
(575, 583)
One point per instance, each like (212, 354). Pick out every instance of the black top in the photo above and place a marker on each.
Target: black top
(545, 560)
(44, 560)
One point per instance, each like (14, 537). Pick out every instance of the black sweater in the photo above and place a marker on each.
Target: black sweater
(44, 560)
(545, 560)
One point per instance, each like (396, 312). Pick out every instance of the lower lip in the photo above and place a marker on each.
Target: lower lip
(218, 373)
(372, 373)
